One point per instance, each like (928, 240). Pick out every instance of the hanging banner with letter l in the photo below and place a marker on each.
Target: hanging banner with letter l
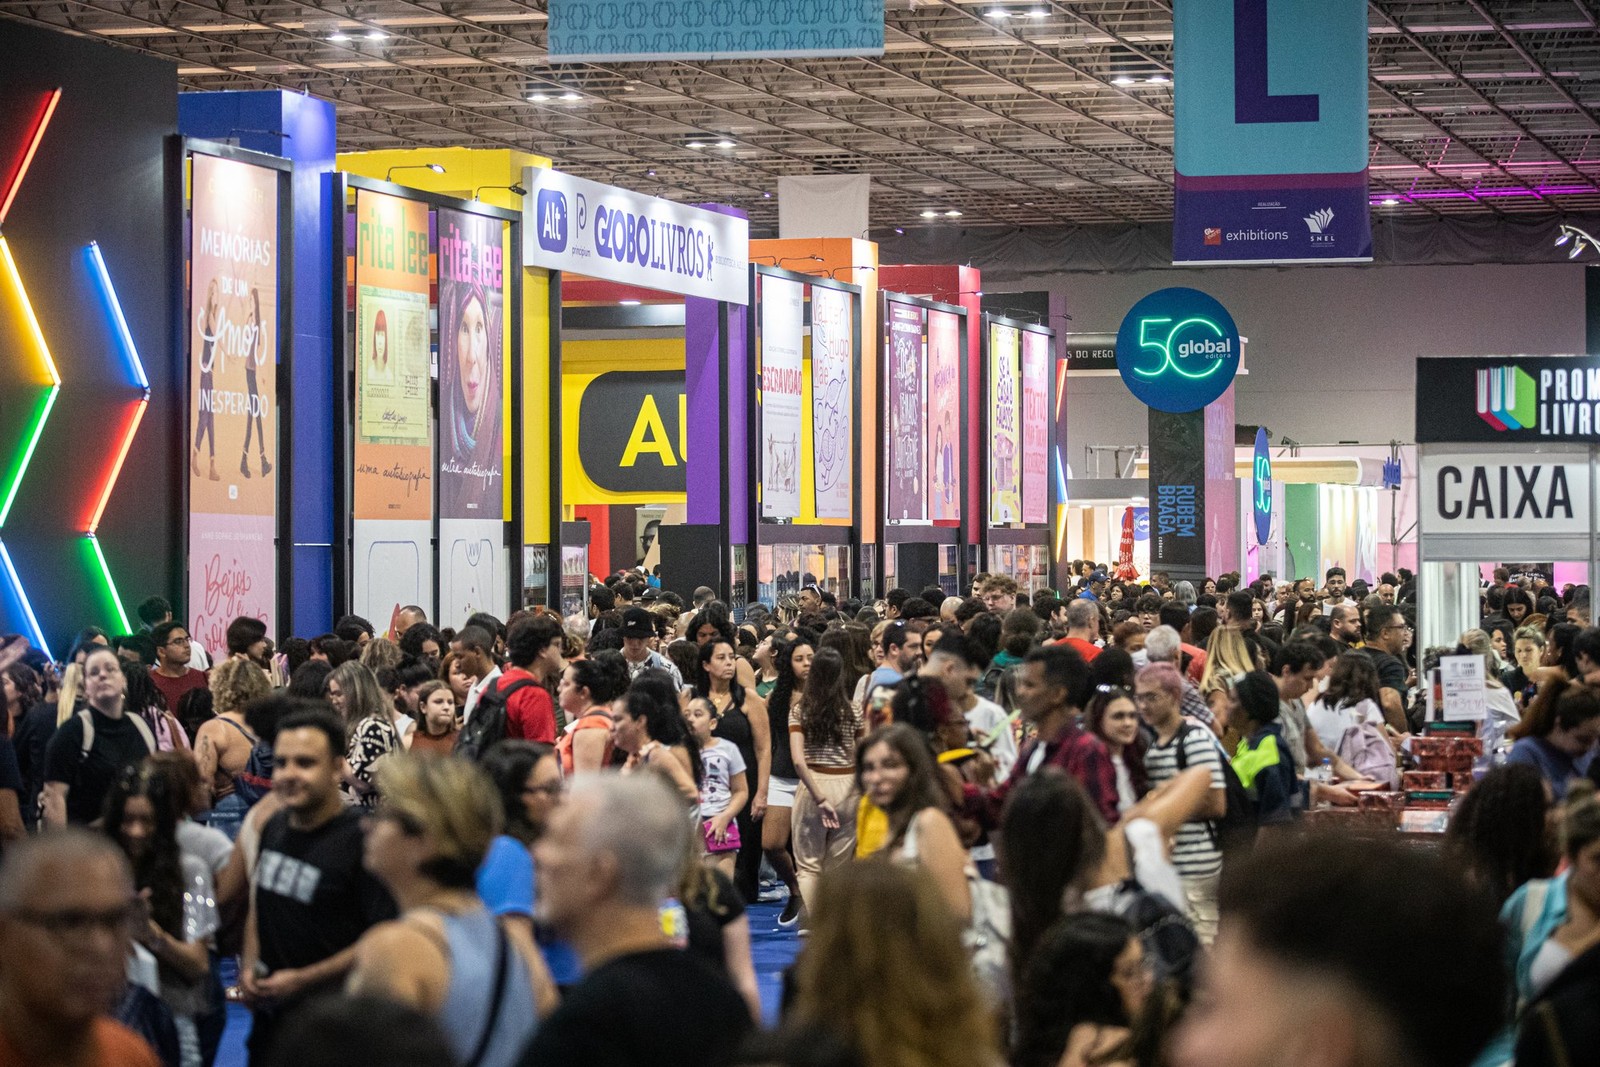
(1271, 132)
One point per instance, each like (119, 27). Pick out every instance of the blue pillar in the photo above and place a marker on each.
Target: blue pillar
(299, 128)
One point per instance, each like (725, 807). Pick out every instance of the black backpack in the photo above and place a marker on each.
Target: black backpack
(1236, 830)
(489, 718)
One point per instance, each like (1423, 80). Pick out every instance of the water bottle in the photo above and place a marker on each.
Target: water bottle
(1322, 773)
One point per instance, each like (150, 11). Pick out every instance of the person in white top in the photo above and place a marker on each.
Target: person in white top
(954, 665)
(475, 654)
(724, 786)
(1333, 591)
(1350, 699)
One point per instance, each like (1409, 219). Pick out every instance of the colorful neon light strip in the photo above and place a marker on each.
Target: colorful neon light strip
(34, 632)
(15, 181)
(124, 337)
(8, 273)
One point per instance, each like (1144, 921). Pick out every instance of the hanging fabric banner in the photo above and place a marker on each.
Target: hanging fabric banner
(631, 31)
(1005, 446)
(944, 415)
(1035, 425)
(1271, 148)
(782, 365)
(474, 562)
(233, 360)
(903, 384)
(832, 390)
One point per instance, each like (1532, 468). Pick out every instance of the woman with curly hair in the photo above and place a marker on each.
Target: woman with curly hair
(223, 744)
(885, 972)
(824, 729)
(1083, 995)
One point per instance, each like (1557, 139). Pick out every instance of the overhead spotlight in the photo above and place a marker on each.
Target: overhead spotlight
(538, 98)
(997, 13)
(570, 97)
(1158, 79)
(695, 144)
(725, 144)
(766, 196)
(1581, 240)
(515, 188)
(1038, 13)
(952, 214)
(900, 230)
(376, 35)
(1564, 238)
(1124, 80)
(338, 37)
(930, 214)
(651, 173)
(1390, 201)
(1577, 250)
(630, 303)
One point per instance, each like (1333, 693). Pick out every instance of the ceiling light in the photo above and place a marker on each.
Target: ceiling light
(538, 98)
(569, 96)
(998, 13)
(724, 144)
(1158, 79)
(651, 173)
(952, 214)
(338, 37)
(695, 144)
(437, 168)
(766, 196)
(930, 214)
(1390, 201)
(1577, 250)
(900, 230)
(1124, 80)
(376, 35)
(1563, 239)
(1038, 13)
(629, 303)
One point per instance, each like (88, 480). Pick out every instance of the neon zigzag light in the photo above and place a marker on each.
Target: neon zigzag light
(8, 273)
(124, 337)
(14, 182)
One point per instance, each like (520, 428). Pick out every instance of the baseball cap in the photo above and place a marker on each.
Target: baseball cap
(638, 622)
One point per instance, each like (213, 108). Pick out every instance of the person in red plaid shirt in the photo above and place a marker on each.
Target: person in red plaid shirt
(1051, 688)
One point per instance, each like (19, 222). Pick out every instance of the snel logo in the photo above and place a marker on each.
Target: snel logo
(1506, 398)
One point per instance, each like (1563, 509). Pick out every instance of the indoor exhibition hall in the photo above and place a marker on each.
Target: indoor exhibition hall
(799, 533)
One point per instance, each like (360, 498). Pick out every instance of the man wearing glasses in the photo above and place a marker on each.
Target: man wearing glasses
(67, 908)
(1388, 637)
(172, 673)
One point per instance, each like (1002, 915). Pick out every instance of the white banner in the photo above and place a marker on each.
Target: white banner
(1501, 493)
(824, 205)
(782, 373)
(576, 225)
(832, 410)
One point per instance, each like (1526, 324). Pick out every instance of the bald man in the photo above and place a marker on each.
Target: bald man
(68, 907)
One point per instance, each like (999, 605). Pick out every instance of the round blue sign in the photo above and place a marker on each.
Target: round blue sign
(1261, 488)
(1178, 350)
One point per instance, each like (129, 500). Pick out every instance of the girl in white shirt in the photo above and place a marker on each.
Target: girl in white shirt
(724, 788)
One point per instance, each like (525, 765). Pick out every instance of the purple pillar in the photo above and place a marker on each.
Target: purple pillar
(718, 458)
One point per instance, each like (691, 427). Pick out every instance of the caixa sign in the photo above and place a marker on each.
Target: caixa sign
(1504, 493)
(572, 224)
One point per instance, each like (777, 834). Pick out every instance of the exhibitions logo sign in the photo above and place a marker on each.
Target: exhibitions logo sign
(576, 225)
(1178, 350)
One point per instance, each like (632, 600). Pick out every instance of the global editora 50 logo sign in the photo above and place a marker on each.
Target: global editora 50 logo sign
(1178, 350)
(1506, 398)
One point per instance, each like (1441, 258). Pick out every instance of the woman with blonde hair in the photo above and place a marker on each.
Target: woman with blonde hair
(885, 972)
(223, 744)
(481, 980)
(1227, 654)
(355, 696)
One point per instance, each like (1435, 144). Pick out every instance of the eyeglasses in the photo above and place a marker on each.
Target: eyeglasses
(1148, 698)
(76, 925)
(550, 789)
(180, 641)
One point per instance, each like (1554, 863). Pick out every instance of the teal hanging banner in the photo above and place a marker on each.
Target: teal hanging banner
(1271, 132)
(624, 31)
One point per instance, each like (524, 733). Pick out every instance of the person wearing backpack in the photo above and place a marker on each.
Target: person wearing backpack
(223, 745)
(93, 746)
(1178, 746)
(515, 704)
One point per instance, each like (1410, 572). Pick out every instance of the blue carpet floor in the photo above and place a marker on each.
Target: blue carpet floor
(772, 948)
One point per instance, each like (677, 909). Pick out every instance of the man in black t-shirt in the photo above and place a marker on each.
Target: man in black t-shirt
(609, 858)
(310, 897)
(1388, 637)
(77, 776)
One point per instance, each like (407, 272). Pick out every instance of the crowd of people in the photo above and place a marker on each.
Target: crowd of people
(1076, 828)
